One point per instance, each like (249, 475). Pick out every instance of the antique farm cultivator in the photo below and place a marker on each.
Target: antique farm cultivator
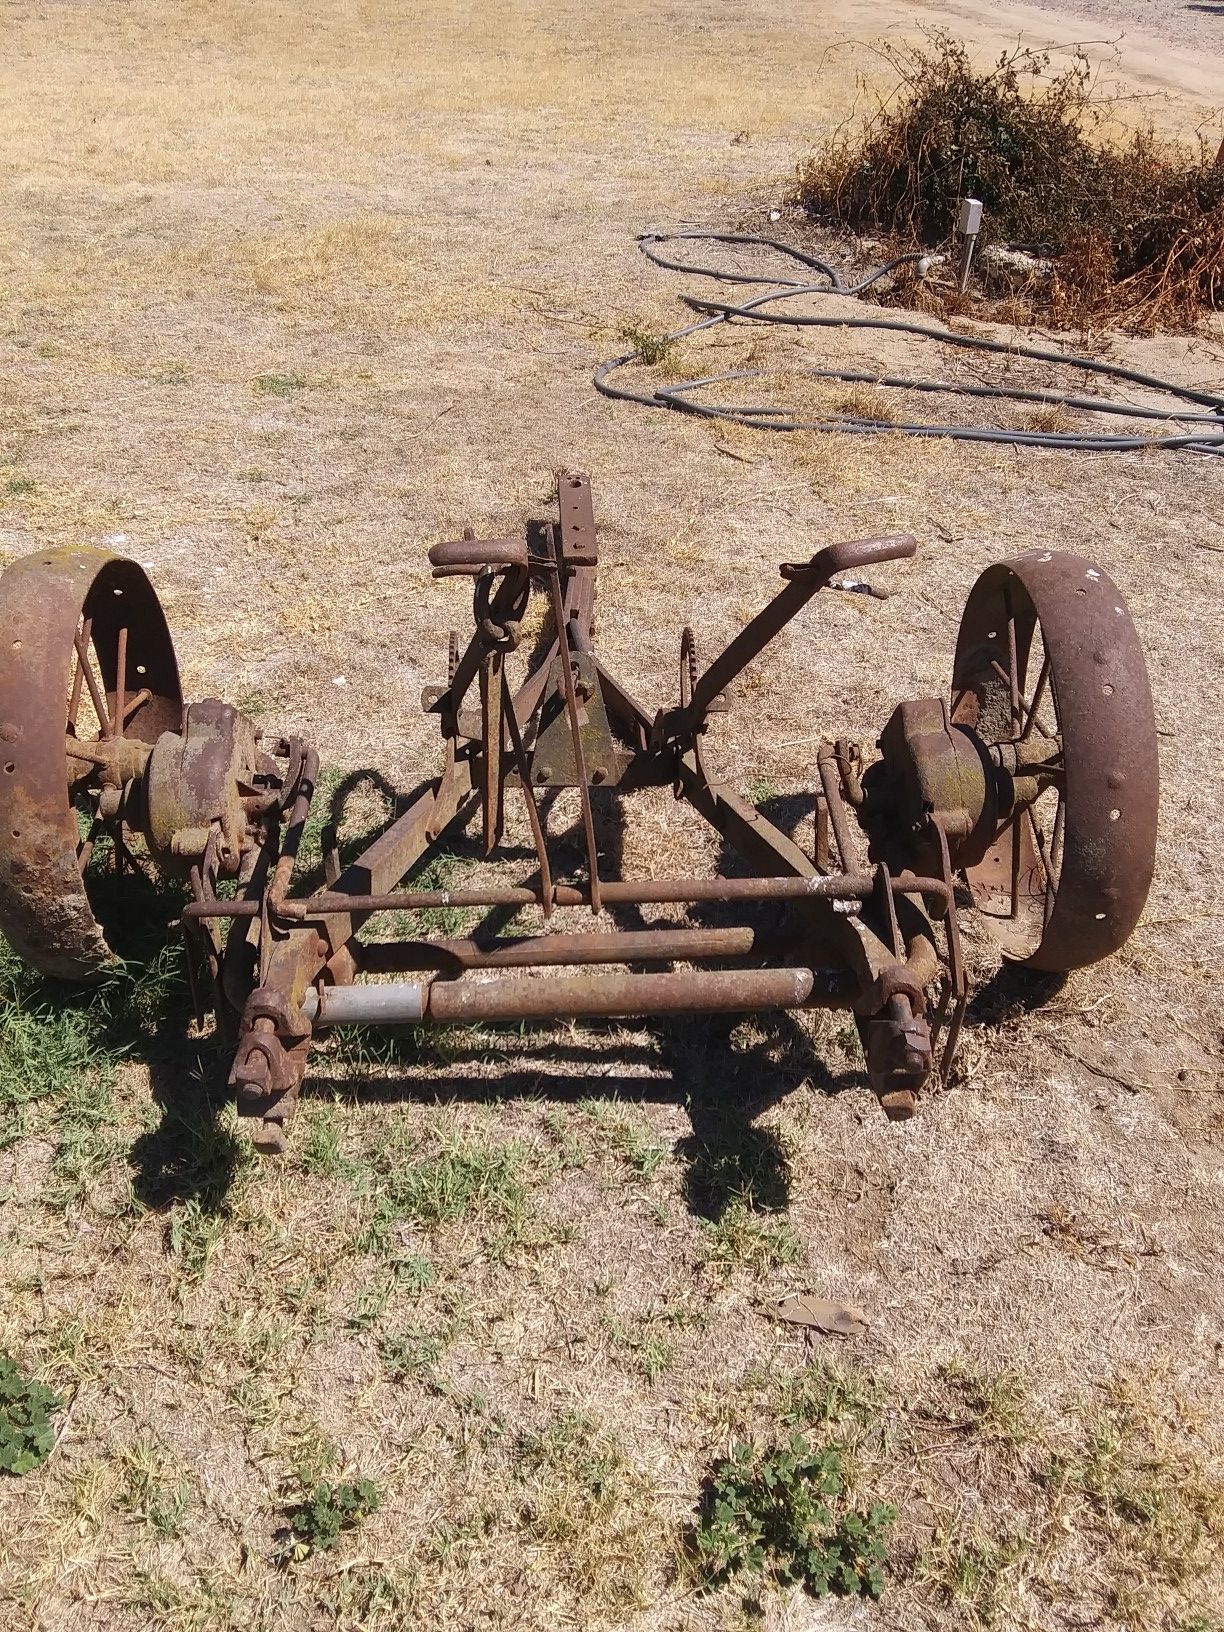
(1029, 795)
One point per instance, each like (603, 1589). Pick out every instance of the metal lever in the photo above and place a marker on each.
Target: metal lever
(854, 553)
(459, 557)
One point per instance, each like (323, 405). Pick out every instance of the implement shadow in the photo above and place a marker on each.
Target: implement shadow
(725, 1081)
(731, 1160)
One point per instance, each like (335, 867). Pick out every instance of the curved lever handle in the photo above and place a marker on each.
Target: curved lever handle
(855, 552)
(472, 556)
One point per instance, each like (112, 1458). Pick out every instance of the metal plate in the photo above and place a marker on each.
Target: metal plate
(553, 756)
(1111, 766)
(45, 911)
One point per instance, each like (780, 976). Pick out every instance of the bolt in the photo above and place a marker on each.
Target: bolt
(598, 774)
(543, 773)
(254, 1075)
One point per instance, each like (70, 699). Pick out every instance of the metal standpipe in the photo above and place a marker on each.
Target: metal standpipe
(575, 997)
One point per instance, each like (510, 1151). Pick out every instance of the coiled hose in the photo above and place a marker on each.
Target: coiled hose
(1204, 407)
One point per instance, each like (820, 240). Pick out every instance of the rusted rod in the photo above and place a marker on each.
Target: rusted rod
(826, 765)
(298, 815)
(674, 891)
(839, 887)
(607, 996)
(539, 951)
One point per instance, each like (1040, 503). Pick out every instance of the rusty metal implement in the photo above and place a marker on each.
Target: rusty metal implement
(1028, 796)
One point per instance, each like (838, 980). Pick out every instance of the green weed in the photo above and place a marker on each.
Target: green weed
(462, 1180)
(996, 1401)
(148, 1494)
(26, 1409)
(195, 1231)
(410, 1352)
(328, 1512)
(772, 1513)
(650, 348)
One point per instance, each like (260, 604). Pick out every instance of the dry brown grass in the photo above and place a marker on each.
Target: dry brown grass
(204, 199)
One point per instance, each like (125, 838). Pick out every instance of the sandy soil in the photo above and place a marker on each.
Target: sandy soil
(289, 299)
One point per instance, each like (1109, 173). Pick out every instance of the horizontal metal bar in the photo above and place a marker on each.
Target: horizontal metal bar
(538, 951)
(839, 887)
(575, 997)
(467, 1001)
(612, 996)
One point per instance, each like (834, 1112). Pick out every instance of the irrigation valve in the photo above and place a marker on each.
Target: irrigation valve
(1027, 794)
(969, 224)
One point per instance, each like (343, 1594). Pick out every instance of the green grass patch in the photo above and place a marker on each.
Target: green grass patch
(744, 1239)
(279, 385)
(464, 1179)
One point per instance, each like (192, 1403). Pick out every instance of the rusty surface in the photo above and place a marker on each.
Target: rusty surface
(539, 951)
(45, 910)
(998, 787)
(1069, 896)
(199, 778)
(612, 996)
(621, 892)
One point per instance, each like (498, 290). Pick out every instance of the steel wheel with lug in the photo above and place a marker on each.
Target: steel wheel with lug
(1050, 674)
(88, 682)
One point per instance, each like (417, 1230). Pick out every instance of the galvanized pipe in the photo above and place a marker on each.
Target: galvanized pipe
(401, 1003)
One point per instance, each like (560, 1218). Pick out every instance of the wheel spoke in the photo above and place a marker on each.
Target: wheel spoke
(121, 681)
(86, 846)
(96, 694)
(1030, 719)
(78, 678)
(1046, 865)
(1013, 662)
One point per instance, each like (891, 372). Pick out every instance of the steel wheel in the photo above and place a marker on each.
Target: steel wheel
(1049, 667)
(85, 659)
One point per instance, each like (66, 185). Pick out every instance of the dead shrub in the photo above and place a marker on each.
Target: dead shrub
(1135, 223)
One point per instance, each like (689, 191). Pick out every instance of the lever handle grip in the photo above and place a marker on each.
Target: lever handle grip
(855, 552)
(472, 556)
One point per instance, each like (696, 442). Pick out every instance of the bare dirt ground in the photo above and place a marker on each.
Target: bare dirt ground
(291, 294)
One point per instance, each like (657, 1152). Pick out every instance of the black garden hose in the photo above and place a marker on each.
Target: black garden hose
(766, 417)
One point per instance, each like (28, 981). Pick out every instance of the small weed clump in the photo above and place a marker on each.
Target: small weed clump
(328, 1511)
(278, 385)
(769, 1512)
(650, 348)
(26, 1408)
(1136, 224)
